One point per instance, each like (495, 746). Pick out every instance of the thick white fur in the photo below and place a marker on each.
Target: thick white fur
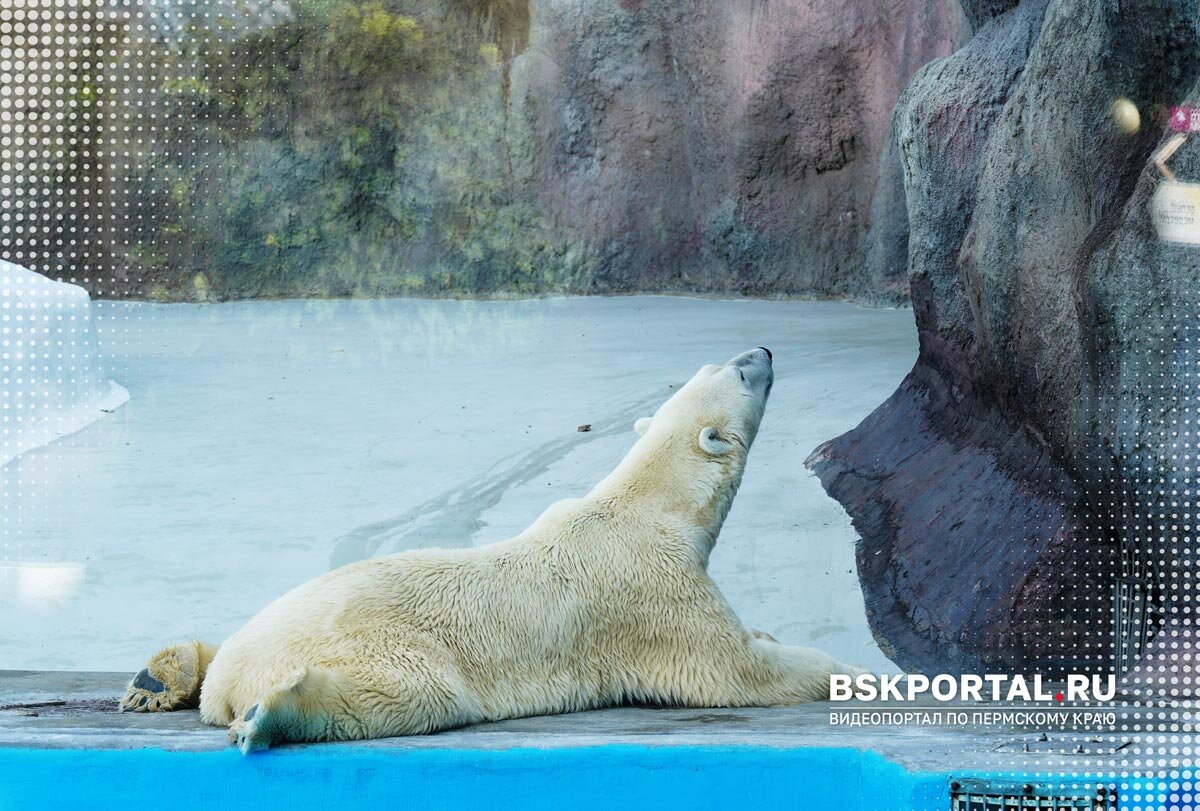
(604, 599)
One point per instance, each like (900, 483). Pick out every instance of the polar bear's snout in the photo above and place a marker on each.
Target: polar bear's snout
(755, 368)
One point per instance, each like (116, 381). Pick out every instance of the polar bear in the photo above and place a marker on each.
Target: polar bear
(604, 600)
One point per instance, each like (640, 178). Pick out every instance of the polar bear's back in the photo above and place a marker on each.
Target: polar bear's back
(463, 615)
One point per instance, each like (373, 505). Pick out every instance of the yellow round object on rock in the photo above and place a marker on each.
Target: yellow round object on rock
(1126, 116)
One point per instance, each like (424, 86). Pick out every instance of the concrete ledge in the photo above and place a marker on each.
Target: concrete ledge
(63, 745)
(59, 710)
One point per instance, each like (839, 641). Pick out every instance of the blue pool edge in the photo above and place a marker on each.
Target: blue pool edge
(624, 776)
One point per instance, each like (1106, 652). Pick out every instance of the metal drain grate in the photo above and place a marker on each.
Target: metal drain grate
(972, 794)
(1131, 622)
(1138, 593)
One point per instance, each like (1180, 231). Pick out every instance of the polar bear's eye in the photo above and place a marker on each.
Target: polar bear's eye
(742, 376)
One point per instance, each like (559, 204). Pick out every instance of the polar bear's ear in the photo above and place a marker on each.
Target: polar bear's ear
(642, 426)
(711, 442)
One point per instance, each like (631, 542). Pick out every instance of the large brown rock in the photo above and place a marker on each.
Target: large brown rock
(726, 147)
(1046, 423)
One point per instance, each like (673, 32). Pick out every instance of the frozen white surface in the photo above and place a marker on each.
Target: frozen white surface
(268, 441)
(51, 381)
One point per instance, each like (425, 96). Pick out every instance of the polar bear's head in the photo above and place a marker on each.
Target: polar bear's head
(692, 452)
(723, 404)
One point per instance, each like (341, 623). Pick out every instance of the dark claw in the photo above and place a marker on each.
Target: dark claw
(251, 713)
(147, 682)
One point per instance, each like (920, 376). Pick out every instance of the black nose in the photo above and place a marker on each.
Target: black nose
(768, 351)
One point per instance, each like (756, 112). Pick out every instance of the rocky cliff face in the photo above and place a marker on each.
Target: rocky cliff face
(362, 147)
(726, 147)
(1042, 444)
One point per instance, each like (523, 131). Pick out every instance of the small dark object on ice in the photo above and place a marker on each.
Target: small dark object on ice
(583, 429)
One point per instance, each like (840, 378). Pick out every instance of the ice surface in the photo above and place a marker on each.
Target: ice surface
(51, 383)
(268, 441)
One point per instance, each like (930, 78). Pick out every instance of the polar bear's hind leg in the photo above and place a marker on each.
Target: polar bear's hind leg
(326, 704)
(171, 680)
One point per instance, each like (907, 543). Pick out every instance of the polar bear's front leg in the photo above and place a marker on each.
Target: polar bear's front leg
(171, 680)
(786, 674)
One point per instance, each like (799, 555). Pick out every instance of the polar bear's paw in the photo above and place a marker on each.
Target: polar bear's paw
(250, 732)
(276, 716)
(169, 681)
